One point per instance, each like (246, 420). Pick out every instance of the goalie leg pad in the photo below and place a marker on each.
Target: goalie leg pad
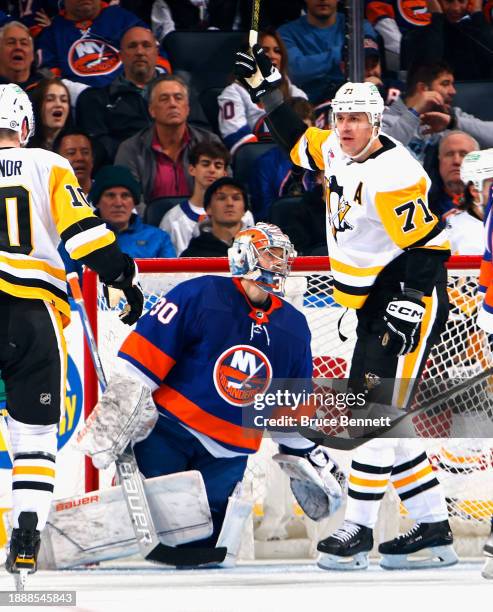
(96, 527)
(318, 495)
(237, 514)
(125, 413)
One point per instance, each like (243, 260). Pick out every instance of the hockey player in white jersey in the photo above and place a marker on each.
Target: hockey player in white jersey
(387, 255)
(41, 201)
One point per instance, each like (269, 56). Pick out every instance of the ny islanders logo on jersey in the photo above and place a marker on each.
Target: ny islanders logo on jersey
(240, 373)
(93, 56)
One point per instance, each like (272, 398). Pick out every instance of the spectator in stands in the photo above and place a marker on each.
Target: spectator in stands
(447, 191)
(17, 56)
(459, 34)
(83, 41)
(225, 202)
(115, 193)
(393, 18)
(51, 106)
(158, 155)
(240, 119)
(425, 112)
(274, 175)
(307, 227)
(208, 163)
(117, 111)
(36, 14)
(315, 42)
(76, 146)
(390, 89)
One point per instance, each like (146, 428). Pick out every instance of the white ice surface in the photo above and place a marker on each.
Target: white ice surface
(265, 587)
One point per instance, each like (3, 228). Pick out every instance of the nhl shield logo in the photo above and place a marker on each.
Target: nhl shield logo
(240, 373)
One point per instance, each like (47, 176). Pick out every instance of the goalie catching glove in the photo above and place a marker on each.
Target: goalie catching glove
(128, 282)
(402, 321)
(314, 479)
(256, 73)
(125, 413)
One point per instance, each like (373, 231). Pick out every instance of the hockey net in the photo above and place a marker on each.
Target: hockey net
(463, 465)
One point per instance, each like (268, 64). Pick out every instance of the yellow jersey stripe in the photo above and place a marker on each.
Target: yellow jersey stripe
(92, 246)
(32, 469)
(339, 266)
(33, 264)
(367, 482)
(413, 477)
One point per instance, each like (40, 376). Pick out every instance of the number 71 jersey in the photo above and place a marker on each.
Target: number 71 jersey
(376, 210)
(41, 201)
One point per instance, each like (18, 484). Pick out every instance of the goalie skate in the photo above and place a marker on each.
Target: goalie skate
(347, 548)
(487, 571)
(434, 538)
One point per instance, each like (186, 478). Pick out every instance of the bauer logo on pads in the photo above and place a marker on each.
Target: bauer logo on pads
(240, 373)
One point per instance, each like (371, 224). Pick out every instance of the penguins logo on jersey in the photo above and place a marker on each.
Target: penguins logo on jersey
(92, 56)
(240, 373)
(338, 208)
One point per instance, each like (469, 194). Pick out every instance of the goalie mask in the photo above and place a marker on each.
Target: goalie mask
(16, 112)
(359, 98)
(477, 167)
(264, 254)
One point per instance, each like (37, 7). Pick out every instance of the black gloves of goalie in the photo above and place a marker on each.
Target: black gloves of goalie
(257, 74)
(402, 321)
(128, 282)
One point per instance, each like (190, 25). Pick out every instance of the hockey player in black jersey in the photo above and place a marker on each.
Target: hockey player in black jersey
(41, 201)
(387, 253)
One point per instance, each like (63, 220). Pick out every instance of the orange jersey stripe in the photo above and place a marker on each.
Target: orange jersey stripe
(144, 352)
(197, 418)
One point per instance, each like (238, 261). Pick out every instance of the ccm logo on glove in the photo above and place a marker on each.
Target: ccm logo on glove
(406, 311)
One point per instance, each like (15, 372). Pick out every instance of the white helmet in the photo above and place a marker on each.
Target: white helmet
(16, 111)
(245, 251)
(360, 98)
(477, 167)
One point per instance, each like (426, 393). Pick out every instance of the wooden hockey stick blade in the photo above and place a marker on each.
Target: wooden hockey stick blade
(318, 437)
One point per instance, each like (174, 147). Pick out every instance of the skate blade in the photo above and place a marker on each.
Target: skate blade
(487, 571)
(344, 564)
(441, 556)
(20, 580)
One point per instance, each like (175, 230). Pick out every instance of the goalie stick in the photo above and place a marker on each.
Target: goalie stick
(150, 546)
(319, 437)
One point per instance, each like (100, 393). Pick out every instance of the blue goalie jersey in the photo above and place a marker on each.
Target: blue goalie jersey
(206, 351)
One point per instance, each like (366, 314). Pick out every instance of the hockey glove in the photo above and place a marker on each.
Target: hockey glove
(256, 73)
(402, 321)
(128, 282)
(314, 479)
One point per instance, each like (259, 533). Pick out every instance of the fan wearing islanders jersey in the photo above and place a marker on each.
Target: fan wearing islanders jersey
(83, 41)
(205, 350)
(387, 253)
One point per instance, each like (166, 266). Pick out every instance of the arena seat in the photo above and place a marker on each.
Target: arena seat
(156, 209)
(208, 56)
(245, 156)
(475, 97)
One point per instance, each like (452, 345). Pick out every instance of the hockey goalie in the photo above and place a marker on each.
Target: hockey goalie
(180, 397)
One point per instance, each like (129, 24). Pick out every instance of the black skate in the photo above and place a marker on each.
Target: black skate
(24, 548)
(347, 548)
(435, 538)
(487, 571)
